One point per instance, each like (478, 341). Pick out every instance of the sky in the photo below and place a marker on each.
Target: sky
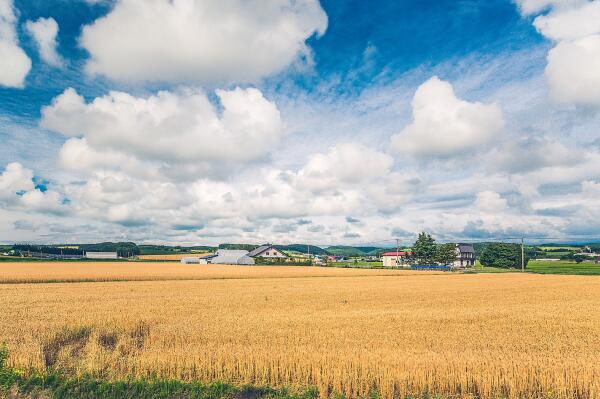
(197, 122)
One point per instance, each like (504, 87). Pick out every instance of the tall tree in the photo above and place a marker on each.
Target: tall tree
(502, 255)
(445, 253)
(424, 249)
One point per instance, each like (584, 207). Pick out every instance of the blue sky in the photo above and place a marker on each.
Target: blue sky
(324, 122)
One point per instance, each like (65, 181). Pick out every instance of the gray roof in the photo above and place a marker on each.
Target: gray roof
(259, 250)
(231, 257)
(465, 248)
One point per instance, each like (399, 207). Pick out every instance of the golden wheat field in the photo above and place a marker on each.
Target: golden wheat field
(38, 272)
(173, 257)
(344, 331)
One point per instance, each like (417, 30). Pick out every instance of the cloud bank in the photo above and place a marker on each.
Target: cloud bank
(203, 41)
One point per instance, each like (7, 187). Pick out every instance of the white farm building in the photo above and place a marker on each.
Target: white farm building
(230, 257)
(101, 255)
(194, 260)
(267, 251)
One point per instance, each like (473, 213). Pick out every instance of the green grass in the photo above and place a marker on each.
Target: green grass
(563, 267)
(549, 267)
(53, 384)
(565, 247)
(350, 263)
(28, 259)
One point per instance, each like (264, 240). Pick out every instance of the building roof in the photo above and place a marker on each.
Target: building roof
(466, 248)
(259, 250)
(394, 253)
(263, 248)
(229, 256)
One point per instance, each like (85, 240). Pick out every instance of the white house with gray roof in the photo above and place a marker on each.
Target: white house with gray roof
(465, 255)
(267, 251)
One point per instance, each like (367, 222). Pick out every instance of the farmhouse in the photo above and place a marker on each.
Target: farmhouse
(393, 259)
(231, 257)
(267, 251)
(101, 255)
(465, 255)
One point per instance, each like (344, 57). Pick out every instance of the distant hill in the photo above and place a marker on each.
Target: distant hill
(302, 248)
(150, 249)
(342, 250)
(245, 247)
(124, 249)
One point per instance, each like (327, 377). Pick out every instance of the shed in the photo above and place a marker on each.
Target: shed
(101, 255)
(394, 258)
(194, 260)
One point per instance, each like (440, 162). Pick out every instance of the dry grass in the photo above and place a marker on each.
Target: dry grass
(505, 335)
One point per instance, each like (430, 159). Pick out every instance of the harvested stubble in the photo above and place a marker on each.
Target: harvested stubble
(506, 335)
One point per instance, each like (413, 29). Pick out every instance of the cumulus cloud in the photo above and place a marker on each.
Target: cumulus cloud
(13, 180)
(530, 154)
(572, 71)
(490, 201)
(528, 7)
(175, 128)
(346, 163)
(44, 32)
(573, 64)
(205, 41)
(444, 125)
(18, 191)
(14, 63)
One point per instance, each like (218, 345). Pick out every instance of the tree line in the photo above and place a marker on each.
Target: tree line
(425, 251)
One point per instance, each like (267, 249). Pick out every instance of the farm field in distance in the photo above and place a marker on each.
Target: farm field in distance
(171, 257)
(353, 332)
(51, 272)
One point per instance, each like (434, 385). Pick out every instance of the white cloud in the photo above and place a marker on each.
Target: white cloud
(173, 128)
(14, 63)
(574, 62)
(531, 154)
(529, 7)
(572, 71)
(46, 202)
(444, 125)
(17, 191)
(44, 32)
(206, 41)
(570, 23)
(346, 163)
(490, 201)
(14, 179)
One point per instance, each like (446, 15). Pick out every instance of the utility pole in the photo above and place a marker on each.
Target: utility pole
(397, 251)
(522, 254)
(308, 251)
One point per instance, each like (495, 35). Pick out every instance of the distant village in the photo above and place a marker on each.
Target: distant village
(425, 253)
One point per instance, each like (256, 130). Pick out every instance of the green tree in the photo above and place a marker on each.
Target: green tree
(445, 253)
(502, 255)
(424, 249)
(579, 258)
